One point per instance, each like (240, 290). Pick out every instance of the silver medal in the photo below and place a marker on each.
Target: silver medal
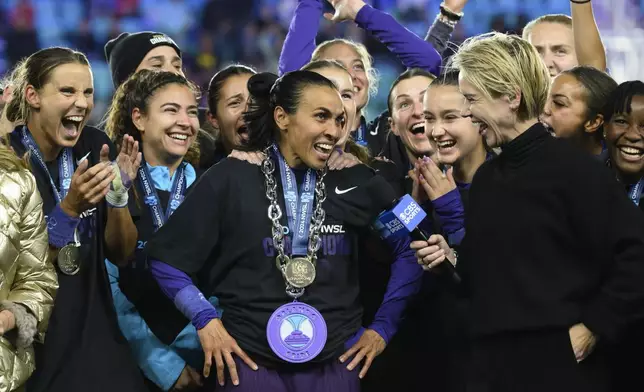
(69, 259)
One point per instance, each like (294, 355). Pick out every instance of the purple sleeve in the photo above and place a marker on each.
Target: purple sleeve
(405, 281)
(413, 51)
(451, 215)
(178, 286)
(300, 40)
(61, 227)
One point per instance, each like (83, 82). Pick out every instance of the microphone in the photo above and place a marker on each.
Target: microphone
(401, 219)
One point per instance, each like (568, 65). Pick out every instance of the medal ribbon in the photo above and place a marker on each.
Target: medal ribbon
(299, 207)
(151, 197)
(65, 165)
(635, 193)
(360, 138)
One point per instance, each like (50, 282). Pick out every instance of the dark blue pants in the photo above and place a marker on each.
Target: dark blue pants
(330, 377)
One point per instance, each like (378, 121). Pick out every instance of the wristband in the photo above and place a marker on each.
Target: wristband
(449, 14)
(117, 199)
(191, 302)
(61, 227)
(446, 21)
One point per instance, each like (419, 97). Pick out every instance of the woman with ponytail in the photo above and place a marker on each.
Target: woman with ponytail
(159, 110)
(288, 284)
(83, 181)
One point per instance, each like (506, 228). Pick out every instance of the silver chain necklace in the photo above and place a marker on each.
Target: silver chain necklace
(275, 214)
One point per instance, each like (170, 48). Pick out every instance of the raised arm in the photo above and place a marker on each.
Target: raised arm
(300, 40)
(588, 44)
(413, 51)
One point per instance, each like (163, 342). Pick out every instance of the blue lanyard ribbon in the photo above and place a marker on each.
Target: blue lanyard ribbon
(360, 135)
(151, 197)
(299, 206)
(65, 165)
(635, 193)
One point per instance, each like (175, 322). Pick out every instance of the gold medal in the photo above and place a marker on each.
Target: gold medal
(69, 259)
(299, 272)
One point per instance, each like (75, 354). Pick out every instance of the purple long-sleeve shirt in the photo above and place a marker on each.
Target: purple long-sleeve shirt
(405, 281)
(413, 51)
(451, 215)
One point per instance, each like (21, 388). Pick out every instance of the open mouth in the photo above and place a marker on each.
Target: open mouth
(445, 145)
(72, 124)
(418, 129)
(631, 153)
(323, 148)
(243, 132)
(179, 138)
(482, 126)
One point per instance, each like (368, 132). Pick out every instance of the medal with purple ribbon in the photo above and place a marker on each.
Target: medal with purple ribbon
(296, 332)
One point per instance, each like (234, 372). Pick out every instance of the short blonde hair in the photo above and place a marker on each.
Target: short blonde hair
(361, 50)
(501, 65)
(551, 18)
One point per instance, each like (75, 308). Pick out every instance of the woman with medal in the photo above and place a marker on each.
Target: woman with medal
(84, 185)
(552, 256)
(29, 281)
(159, 110)
(245, 257)
(624, 135)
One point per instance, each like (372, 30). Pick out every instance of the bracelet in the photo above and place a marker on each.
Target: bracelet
(580, 1)
(446, 21)
(450, 14)
(117, 199)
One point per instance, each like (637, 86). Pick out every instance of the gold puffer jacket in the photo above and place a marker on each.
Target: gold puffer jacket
(28, 280)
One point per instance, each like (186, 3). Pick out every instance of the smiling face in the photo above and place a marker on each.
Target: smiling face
(350, 58)
(168, 125)
(407, 120)
(61, 108)
(491, 115)
(307, 136)
(342, 80)
(556, 46)
(456, 136)
(232, 103)
(162, 58)
(566, 110)
(625, 139)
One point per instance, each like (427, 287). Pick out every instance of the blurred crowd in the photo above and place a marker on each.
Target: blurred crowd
(215, 33)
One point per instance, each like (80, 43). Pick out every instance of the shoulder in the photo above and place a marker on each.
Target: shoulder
(18, 187)
(230, 170)
(359, 173)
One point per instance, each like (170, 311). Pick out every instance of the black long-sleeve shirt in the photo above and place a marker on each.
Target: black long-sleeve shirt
(552, 240)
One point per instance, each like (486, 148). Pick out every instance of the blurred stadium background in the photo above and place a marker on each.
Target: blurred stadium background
(214, 33)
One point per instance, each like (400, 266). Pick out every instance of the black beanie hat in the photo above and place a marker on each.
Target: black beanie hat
(125, 52)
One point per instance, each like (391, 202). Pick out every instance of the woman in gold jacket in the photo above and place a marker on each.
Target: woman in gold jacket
(28, 281)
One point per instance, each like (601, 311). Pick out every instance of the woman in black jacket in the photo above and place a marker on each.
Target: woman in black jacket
(553, 253)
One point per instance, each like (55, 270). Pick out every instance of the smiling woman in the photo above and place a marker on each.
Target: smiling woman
(76, 168)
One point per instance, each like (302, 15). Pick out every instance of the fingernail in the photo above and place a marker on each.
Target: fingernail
(255, 367)
(349, 368)
(235, 382)
(342, 359)
(426, 159)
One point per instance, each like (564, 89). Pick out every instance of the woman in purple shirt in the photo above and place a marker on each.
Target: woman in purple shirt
(414, 52)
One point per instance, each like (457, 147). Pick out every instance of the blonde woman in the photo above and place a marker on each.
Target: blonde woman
(552, 258)
(27, 280)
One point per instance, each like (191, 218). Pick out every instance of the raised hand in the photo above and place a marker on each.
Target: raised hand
(344, 10)
(456, 5)
(89, 186)
(128, 160)
(433, 180)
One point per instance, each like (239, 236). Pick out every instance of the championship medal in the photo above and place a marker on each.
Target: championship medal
(296, 332)
(299, 272)
(69, 259)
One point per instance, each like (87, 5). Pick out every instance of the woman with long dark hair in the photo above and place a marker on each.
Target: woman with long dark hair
(257, 266)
